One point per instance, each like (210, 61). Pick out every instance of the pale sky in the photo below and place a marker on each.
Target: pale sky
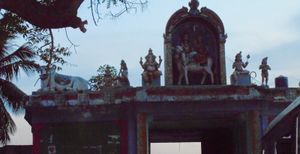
(259, 27)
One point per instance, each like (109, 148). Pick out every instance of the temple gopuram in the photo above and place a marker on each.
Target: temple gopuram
(196, 104)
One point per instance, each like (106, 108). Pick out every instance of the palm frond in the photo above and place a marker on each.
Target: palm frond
(7, 125)
(12, 70)
(14, 96)
(22, 53)
(3, 43)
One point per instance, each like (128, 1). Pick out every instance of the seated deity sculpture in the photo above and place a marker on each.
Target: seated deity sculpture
(150, 67)
(239, 70)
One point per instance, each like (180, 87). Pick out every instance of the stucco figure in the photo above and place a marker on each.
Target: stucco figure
(53, 81)
(239, 68)
(122, 78)
(264, 67)
(185, 64)
(150, 67)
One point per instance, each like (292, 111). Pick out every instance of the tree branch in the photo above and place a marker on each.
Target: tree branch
(59, 14)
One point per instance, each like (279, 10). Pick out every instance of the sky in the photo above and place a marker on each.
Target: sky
(259, 28)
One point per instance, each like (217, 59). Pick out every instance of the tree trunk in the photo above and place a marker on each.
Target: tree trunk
(60, 14)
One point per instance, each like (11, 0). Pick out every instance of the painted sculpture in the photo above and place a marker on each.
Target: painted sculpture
(150, 66)
(264, 67)
(122, 77)
(53, 81)
(240, 75)
(193, 58)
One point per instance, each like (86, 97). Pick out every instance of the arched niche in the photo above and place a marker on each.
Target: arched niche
(201, 29)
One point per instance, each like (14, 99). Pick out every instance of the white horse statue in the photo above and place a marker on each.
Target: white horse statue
(185, 65)
(52, 81)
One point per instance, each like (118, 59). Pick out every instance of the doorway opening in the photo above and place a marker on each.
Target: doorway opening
(176, 148)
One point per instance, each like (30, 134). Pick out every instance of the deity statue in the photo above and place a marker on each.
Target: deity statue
(193, 58)
(122, 78)
(238, 67)
(264, 67)
(150, 67)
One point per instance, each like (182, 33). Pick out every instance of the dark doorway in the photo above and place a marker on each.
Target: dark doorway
(176, 148)
(212, 141)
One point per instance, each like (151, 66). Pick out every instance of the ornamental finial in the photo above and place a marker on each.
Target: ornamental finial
(194, 4)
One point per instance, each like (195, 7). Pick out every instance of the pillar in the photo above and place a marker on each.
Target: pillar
(132, 130)
(254, 131)
(142, 133)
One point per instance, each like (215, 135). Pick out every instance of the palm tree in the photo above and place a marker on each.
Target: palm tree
(11, 63)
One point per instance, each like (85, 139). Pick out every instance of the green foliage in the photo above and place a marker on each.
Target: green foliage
(98, 81)
(13, 58)
(38, 39)
(41, 42)
(54, 56)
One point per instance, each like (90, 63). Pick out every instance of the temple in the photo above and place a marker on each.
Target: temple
(195, 104)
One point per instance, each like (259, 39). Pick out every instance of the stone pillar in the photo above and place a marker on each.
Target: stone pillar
(142, 133)
(132, 133)
(222, 59)
(254, 132)
(168, 60)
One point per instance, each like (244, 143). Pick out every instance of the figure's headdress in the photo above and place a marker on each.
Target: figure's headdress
(123, 64)
(150, 54)
(238, 55)
(264, 60)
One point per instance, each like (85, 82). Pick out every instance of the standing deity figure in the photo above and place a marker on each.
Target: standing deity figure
(122, 78)
(264, 67)
(238, 67)
(150, 67)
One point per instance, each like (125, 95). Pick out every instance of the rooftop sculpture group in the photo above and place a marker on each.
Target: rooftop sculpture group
(241, 76)
(188, 60)
(194, 55)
